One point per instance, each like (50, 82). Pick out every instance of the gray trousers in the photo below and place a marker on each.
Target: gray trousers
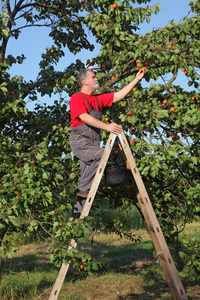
(85, 144)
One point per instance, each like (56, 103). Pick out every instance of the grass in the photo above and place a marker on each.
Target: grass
(131, 274)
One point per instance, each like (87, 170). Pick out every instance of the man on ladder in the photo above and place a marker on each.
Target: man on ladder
(85, 144)
(86, 116)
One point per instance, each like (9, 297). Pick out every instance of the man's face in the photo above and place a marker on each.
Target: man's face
(92, 81)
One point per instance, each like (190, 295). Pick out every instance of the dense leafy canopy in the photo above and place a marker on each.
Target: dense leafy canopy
(161, 119)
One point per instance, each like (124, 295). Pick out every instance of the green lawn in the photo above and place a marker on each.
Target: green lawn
(132, 272)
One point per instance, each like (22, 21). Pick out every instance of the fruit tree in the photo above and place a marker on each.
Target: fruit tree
(161, 119)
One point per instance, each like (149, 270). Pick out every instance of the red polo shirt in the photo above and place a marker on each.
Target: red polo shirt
(79, 105)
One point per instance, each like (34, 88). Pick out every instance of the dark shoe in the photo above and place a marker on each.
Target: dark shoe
(81, 194)
(78, 207)
(76, 215)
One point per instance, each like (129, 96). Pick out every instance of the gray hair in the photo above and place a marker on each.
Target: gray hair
(83, 75)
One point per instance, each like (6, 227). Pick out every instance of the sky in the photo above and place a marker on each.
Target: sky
(33, 41)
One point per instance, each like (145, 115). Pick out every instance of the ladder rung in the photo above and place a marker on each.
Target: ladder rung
(151, 228)
(141, 200)
(161, 255)
(172, 285)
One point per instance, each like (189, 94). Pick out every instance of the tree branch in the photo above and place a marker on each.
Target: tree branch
(173, 77)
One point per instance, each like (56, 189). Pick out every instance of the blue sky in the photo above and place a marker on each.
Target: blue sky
(33, 41)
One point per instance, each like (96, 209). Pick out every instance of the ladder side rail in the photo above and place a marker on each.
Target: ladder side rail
(159, 249)
(86, 209)
(145, 214)
(159, 237)
(61, 275)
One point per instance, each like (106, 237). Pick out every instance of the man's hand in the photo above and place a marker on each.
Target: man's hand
(140, 74)
(125, 90)
(114, 128)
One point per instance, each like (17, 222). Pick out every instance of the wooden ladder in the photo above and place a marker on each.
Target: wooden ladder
(165, 258)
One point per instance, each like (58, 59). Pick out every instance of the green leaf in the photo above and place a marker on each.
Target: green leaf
(45, 176)
(193, 159)
(94, 266)
(59, 177)
(6, 32)
(39, 156)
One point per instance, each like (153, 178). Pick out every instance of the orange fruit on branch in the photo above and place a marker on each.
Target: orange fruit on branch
(132, 142)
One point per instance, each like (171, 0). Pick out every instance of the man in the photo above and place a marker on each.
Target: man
(86, 115)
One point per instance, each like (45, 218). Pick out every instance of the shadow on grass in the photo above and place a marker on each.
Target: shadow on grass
(132, 259)
(122, 258)
(26, 263)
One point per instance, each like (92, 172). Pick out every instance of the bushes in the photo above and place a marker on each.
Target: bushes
(191, 256)
(120, 220)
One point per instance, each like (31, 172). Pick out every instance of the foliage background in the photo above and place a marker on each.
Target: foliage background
(38, 172)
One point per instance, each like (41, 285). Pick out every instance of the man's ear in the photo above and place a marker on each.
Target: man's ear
(84, 81)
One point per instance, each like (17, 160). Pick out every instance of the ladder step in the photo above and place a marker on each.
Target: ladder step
(141, 200)
(151, 228)
(161, 255)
